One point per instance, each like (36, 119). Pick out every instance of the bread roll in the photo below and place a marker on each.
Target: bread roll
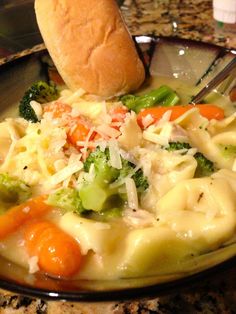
(90, 45)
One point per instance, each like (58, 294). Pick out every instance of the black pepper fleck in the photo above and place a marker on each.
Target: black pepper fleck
(200, 197)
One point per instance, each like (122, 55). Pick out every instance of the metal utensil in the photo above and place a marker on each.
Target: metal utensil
(220, 77)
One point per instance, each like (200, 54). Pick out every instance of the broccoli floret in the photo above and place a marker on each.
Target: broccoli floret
(140, 181)
(40, 92)
(177, 146)
(67, 199)
(12, 191)
(163, 96)
(109, 174)
(103, 171)
(205, 167)
(98, 195)
(138, 176)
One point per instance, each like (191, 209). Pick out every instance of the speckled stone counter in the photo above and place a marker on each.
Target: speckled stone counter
(190, 19)
(216, 294)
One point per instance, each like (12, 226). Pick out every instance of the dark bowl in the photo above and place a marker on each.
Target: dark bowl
(190, 61)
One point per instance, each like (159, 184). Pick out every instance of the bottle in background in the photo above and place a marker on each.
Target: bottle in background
(224, 12)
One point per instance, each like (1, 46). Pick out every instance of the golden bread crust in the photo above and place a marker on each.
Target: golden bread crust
(90, 45)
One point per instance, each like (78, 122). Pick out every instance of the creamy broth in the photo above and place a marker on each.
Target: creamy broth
(186, 92)
(177, 218)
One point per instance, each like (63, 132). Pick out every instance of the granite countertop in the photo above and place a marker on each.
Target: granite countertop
(217, 294)
(190, 19)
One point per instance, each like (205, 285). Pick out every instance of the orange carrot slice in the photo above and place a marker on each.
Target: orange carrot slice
(58, 109)
(79, 131)
(58, 253)
(207, 111)
(118, 113)
(18, 215)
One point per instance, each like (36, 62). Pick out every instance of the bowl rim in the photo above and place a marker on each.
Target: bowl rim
(152, 290)
(147, 38)
(126, 294)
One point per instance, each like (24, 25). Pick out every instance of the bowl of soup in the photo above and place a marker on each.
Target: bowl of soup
(122, 197)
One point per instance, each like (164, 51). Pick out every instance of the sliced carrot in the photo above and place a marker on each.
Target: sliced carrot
(210, 111)
(155, 113)
(16, 216)
(78, 127)
(58, 109)
(58, 253)
(118, 113)
(79, 131)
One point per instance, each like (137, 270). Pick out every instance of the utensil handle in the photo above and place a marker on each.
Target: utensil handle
(220, 77)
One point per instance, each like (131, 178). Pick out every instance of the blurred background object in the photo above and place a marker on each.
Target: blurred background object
(18, 26)
(189, 19)
(224, 13)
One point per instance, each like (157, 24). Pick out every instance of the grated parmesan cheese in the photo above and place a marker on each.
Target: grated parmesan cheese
(33, 264)
(37, 107)
(64, 173)
(165, 118)
(155, 138)
(132, 194)
(59, 164)
(118, 183)
(90, 175)
(167, 130)
(102, 144)
(106, 130)
(93, 110)
(70, 98)
(10, 153)
(26, 209)
(147, 120)
(114, 152)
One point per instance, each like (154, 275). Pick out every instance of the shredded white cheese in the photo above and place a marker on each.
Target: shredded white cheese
(165, 118)
(118, 183)
(106, 130)
(65, 173)
(115, 158)
(37, 107)
(59, 164)
(33, 264)
(10, 153)
(155, 138)
(70, 98)
(132, 194)
(147, 120)
(26, 209)
(90, 175)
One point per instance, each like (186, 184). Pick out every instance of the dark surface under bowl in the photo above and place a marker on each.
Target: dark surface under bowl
(189, 61)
